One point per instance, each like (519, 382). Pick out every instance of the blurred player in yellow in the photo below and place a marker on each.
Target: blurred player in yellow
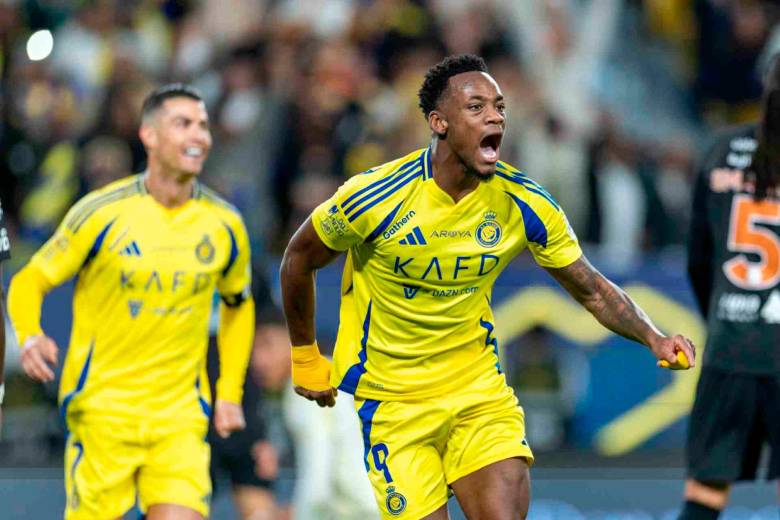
(427, 236)
(149, 251)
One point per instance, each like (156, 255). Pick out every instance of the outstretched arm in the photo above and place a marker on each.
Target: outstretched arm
(304, 255)
(614, 309)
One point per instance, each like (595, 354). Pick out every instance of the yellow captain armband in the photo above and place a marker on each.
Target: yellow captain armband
(310, 369)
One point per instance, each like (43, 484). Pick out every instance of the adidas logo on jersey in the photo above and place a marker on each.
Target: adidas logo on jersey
(131, 249)
(415, 238)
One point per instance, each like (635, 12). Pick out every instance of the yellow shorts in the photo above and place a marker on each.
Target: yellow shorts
(413, 450)
(109, 463)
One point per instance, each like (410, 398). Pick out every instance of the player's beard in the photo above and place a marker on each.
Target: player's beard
(472, 172)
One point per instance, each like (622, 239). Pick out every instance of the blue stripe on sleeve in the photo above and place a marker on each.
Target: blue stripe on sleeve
(416, 173)
(95, 249)
(233, 250)
(366, 414)
(385, 223)
(379, 183)
(351, 379)
(390, 187)
(535, 231)
(530, 185)
(427, 164)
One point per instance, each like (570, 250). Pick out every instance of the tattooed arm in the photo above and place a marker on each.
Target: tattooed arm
(614, 309)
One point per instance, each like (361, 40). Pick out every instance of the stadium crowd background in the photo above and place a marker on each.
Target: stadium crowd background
(609, 101)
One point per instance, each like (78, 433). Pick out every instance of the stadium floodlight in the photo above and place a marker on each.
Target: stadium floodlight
(40, 45)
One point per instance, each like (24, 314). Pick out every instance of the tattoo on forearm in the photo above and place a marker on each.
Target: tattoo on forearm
(608, 303)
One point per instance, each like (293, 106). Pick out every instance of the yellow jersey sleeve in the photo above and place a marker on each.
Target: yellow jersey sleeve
(560, 246)
(336, 230)
(78, 237)
(235, 284)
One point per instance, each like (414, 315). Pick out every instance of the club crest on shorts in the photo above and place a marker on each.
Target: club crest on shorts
(489, 231)
(204, 251)
(395, 502)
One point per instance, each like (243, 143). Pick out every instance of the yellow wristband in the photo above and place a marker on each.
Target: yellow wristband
(304, 354)
(310, 369)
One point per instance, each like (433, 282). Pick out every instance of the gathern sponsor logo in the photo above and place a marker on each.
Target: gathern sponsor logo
(398, 224)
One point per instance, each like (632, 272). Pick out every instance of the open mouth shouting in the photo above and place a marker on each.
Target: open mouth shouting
(490, 145)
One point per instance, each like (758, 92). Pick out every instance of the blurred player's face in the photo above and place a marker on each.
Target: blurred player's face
(474, 112)
(271, 356)
(177, 137)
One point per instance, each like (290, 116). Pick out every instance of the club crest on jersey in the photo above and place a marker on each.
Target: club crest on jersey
(204, 251)
(488, 233)
(395, 502)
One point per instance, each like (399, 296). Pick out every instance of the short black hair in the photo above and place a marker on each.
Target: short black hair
(437, 78)
(172, 90)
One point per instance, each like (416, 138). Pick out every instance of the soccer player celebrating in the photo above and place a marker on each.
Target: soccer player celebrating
(149, 252)
(734, 268)
(5, 253)
(427, 235)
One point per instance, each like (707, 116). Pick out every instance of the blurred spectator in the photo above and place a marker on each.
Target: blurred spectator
(731, 37)
(246, 457)
(563, 45)
(331, 482)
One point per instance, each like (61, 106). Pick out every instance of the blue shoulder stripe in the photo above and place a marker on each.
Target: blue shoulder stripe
(385, 223)
(380, 182)
(402, 181)
(535, 231)
(427, 164)
(233, 250)
(391, 181)
(95, 249)
(528, 184)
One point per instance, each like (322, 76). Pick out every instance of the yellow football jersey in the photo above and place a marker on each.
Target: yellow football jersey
(143, 297)
(415, 316)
